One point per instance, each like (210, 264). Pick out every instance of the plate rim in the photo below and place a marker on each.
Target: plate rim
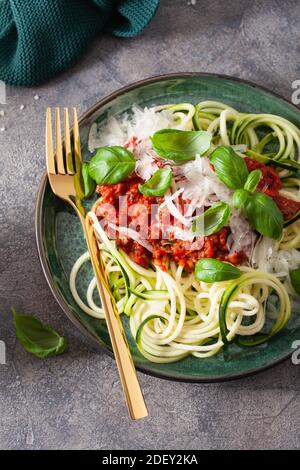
(38, 225)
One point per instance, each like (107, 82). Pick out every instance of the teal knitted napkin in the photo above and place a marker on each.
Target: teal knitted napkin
(39, 38)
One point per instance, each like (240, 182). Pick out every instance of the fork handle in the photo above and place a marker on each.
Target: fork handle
(132, 390)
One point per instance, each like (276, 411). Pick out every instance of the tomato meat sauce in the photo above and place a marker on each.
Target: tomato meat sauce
(270, 184)
(124, 206)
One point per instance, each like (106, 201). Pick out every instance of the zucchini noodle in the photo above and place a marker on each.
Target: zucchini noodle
(231, 127)
(291, 236)
(181, 114)
(171, 314)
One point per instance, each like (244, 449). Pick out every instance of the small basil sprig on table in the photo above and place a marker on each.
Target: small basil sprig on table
(212, 220)
(36, 338)
(178, 145)
(260, 209)
(158, 184)
(110, 165)
(212, 270)
(89, 184)
(295, 279)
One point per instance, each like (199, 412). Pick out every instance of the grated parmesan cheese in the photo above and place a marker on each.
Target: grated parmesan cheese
(141, 124)
(268, 257)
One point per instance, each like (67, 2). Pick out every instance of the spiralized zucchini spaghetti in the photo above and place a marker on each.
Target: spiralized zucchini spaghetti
(197, 225)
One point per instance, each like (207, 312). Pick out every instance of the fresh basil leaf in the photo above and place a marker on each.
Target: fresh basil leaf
(264, 215)
(295, 279)
(239, 198)
(230, 167)
(180, 145)
(111, 165)
(36, 338)
(212, 220)
(213, 270)
(158, 184)
(89, 184)
(252, 181)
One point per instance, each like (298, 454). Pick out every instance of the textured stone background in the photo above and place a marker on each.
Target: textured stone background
(75, 401)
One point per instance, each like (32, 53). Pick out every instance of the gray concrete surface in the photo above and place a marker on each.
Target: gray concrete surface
(75, 401)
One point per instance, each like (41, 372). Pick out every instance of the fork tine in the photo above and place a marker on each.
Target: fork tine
(76, 136)
(59, 150)
(69, 159)
(49, 144)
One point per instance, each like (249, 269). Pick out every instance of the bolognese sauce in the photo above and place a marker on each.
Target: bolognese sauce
(124, 205)
(116, 199)
(270, 184)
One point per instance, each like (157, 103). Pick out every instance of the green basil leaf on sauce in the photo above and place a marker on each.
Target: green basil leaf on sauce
(212, 270)
(252, 181)
(264, 215)
(212, 220)
(158, 184)
(36, 338)
(229, 167)
(295, 279)
(180, 145)
(239, 198)
(89, 184)
(110, 165)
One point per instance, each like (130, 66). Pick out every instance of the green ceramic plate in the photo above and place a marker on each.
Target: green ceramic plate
(60, 240)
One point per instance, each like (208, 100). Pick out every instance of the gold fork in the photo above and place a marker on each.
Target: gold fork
(64, 173)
